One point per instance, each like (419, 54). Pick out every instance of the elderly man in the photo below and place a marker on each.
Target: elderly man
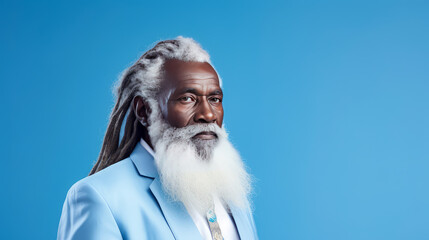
(172, 173)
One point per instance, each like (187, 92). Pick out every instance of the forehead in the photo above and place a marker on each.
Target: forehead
(178, 73)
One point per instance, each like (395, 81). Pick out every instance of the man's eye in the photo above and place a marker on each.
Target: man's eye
(216, 100)
(186, 99)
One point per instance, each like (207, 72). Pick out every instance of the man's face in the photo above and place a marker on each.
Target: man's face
(190, 94)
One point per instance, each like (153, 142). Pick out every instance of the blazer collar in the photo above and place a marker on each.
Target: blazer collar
(144, 162)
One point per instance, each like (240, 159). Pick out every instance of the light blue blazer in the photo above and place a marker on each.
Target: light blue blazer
(126, 201)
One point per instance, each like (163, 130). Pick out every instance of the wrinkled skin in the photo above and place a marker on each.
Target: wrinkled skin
(190, 94)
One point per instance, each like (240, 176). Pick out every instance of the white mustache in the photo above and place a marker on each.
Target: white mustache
(188, 132)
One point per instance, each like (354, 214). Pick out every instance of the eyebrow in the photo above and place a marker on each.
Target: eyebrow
(194, 91)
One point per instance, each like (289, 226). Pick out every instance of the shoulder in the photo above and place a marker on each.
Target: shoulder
(119, 186)
(83, 208)
(121, 177)
(113, 194)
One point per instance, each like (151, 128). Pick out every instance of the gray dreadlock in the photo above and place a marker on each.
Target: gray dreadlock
(142, 79)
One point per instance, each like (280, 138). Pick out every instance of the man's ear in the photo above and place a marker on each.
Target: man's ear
(141, 110)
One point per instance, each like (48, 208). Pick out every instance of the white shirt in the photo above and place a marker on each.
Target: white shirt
(225, 221)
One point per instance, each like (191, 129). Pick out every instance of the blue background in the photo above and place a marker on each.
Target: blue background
(326, 100)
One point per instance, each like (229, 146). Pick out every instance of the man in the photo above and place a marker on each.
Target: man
(173, 174)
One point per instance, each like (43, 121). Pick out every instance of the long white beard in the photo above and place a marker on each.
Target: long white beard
(194, 172)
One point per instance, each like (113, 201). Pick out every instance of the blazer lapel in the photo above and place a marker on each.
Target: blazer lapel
(178, 219)
(242, 224)
(176, 215)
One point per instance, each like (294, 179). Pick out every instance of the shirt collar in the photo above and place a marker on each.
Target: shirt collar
(147, 147)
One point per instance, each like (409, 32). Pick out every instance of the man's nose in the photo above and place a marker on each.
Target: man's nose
(204, 112)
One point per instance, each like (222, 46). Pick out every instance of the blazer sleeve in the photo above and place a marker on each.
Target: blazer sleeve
(86, 215)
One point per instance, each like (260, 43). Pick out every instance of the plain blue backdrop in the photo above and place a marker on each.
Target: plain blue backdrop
(327, 102)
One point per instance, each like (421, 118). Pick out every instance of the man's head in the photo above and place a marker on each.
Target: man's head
(172, 97)
(190, 94)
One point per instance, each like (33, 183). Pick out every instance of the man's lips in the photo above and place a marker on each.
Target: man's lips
(206, 135)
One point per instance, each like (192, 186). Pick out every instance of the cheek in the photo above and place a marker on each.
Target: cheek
(219, 115)
(178, 115)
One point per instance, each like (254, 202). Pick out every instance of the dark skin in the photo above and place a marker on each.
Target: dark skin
(190, 94)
